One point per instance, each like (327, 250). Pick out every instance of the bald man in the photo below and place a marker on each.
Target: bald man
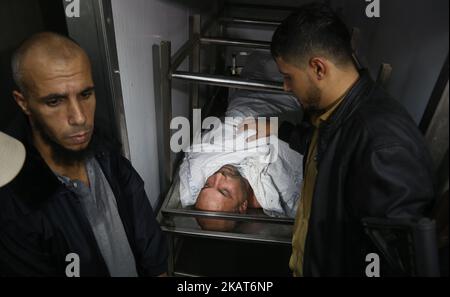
(78, 208)
(225, 191)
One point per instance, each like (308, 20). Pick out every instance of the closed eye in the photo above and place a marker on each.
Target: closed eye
(225, 192)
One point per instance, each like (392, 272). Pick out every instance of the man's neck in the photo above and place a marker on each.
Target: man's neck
(77, 170)
(340, 87)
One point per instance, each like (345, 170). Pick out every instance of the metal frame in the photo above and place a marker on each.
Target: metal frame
(191, 48)
(246, 21)
(168, 71)
(94, 31)
(223, 235)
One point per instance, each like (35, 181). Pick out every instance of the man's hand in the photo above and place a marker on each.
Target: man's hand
(264, 127)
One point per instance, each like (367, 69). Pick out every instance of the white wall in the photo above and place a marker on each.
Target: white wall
(139, 24)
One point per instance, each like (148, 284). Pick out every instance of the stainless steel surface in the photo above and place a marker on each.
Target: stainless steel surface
(259, 6)
(229, 236)
(94, 31)
(210, 23)
(175, 220)
(236, 42)
(254, 226)
(246, 21)
(225, 215)
(194, 61)
(184, 51)
(109, 37)
(157, 88)
(165, 115)
(167, 106)
(183, 274)
(224, 81)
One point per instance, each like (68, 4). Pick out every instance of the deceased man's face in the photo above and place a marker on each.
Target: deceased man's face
(224, 191)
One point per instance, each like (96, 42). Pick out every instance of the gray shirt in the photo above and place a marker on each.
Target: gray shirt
(100, 207)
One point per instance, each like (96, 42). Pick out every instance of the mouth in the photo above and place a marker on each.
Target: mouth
(80, 138)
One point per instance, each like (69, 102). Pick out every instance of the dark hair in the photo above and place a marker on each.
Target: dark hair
(312, 30)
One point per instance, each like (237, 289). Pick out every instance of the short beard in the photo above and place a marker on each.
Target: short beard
(60, 154)
(313, 97)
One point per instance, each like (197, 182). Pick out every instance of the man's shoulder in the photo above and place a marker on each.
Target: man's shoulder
(17, 212)
(115, 165)
(385, 122)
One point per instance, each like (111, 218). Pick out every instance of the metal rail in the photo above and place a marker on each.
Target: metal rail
(225, 81)
(247, 21)
(183, 52)
(258, 6)
(235, 42)
(226, 215)
(224, 235)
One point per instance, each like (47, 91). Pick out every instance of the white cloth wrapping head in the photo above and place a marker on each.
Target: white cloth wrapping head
(273, 170)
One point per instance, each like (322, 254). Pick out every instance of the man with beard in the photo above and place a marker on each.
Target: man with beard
(78, 207)
(364, 156)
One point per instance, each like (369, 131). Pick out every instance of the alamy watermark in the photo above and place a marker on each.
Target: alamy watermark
(73, 268)
(229, 135)
(373, 9)
(373, 268)
(73, 8)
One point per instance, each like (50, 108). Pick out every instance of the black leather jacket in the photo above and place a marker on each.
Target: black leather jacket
(41, 221)
(372, 162)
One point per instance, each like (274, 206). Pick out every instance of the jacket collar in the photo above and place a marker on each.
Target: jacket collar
(359, 93)
(36, 183)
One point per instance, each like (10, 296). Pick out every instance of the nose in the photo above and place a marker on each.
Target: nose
(76, 113)
(217, 179)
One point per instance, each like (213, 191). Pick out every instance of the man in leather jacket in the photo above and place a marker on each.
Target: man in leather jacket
(363, 154)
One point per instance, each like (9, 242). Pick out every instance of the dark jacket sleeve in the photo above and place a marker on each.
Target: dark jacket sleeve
(392, 182)
(24, 252)
(151, 250)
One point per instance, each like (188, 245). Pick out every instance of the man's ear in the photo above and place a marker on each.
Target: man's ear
(243, 207)
(21, 101)
(319, 68)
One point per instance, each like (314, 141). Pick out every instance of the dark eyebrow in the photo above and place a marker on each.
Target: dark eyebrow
(53, 96)
(88, 89)
(64, 95)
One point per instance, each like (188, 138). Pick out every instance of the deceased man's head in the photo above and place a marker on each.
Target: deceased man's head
(224, 191)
